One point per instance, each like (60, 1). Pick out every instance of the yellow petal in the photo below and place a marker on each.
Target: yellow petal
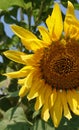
(45, 110)
(15, 56)
(52, 98)
(67, 113)
(27, 84)
(38, 103)
(73, 32)
(21, 81)
(34, 91)
(76, 95)
(71, 24)
(32, 59)
(28, 59)
(55, 23)
(40, 98)
(29, 40)
(23, 33)
(29, 79)
(56, 111)
(73, 102)
(45, 35)
(45, 113)
(21, 73)
(32, 44)
(23, 91)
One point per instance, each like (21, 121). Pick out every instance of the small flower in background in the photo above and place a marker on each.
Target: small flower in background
(51, 73)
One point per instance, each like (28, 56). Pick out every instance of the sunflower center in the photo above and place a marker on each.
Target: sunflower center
(63, 66)
(60, 65)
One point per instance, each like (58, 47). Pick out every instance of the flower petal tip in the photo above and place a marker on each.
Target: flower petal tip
(5, 75)
(70, 5)
(15, 28)
(28, 98)
(4, 53)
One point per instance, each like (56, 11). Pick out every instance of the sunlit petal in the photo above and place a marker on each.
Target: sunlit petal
(15, 56)
(34, 91)
(56, 111)
(21, 73)
(52, 98)
(67, 113)
(71, 24)
(45, 35)
(73, 102)
(55, 23)
(23, 91)
(40, 99)
(45, 114)
(29, 40)
(32, 44)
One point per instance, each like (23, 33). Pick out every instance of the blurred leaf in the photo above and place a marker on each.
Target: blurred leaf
(76, 6)
(65, 124)
(5, 83)
(13, 94)
(1, 29)
(13, 11)
(2, 77)
(9, 19)
(28, 5)
(74, 122)
(66, 128)
(5, 4)
(36, 113)
(41, 125)
(14, 119)
(1, 114)
(15, 42)
(5, 104)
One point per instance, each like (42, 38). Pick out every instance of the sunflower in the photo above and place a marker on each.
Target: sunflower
(51, 73)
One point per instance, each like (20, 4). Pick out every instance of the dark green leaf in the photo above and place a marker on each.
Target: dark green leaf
(41, 125)
(8, 19)
(13, 94)
(36, 113)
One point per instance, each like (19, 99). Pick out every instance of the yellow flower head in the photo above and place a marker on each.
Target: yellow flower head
(51, 73)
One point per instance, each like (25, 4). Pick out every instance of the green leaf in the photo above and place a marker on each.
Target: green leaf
(36, 113)
(1, 114)
(8, 19)
(74, 122)
(28, 5)
(5, 83)
(64, 124)
(5, 4)
(1, 29)
(14, 119)
(12, 94)
(41, 125)
(76, 6)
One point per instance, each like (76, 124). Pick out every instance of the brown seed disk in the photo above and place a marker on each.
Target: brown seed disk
(60, 65)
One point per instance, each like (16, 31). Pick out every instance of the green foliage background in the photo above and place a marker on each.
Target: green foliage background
(16, 114)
